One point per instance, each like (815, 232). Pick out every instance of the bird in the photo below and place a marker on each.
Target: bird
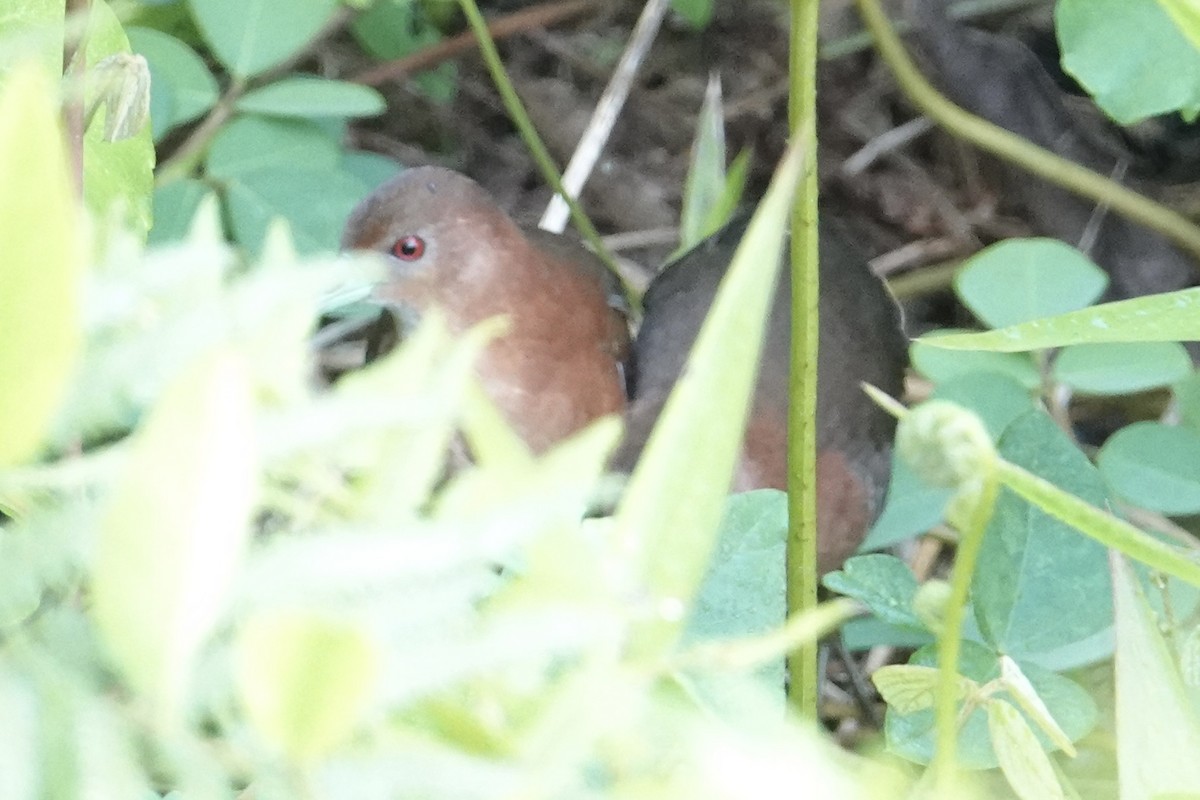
(560, 364)
(860, 340)
(568, 357)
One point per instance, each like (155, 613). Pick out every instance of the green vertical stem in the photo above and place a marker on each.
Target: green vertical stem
(971, 526)
(802, 410)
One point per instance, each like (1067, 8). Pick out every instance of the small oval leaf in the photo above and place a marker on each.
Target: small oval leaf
(1154, 466)
(308, 96)
(249, 36)
(1022, 279)
(1121, 367)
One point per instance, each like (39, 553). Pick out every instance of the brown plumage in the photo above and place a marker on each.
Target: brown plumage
(558, 366)
(860, 340)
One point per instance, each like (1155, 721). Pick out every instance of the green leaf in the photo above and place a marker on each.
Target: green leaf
(173, 534)
(996, 398)
(1121, 367)
(745, 591)
(1187, 398)
(309, 96)
(40, 271)
(863, 633)
(175, 71)
(117, 176)
(305, 681)
(174, 207)
(1025, 696)
(1154, 466)
(907, 688)
(391, 29)
(250, 143)
(1170, 317)
(912, 507)
(1022, 759)
(1022, 279)
(705, 184)
(371, 168)
(314, 202)
(675, 540)
(940, 365)
(1158, 731)
(884, 583)
(1186, 16)
(1130, 57)
(32, 31)
(910, 736)
(250, 36)
(1041, 589)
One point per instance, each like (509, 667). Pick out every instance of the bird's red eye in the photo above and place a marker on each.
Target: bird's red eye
(409, 248)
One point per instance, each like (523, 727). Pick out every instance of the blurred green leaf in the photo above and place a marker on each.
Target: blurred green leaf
(863, 633)
(370, 168)
(305, 681)
(884, 583)
(705, 184)
(1187, 398)
(1154, 466)
(910, 736)
(1021, 757)
(1022, 279)
(175, 529)
(745, 591)
(941, 366)
(32, 31)
(1041, 588)
(1170, 317)
(315, 203)
(251, 142)
(40, 273)
(1158, 730)
(1130, 57)
(250, 36)
(391, 29)
(913, 507)
(1186, 16)
(310, 96)
(996, 398)
(176, 72)
(1110, 368)
(907, 688)
(990, 387)
(674, 541)
(174, 208)
(118, 176)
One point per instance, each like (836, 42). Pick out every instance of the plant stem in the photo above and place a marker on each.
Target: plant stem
(1103, 527)
(945, 708)
(1011, 147)
(802, 409)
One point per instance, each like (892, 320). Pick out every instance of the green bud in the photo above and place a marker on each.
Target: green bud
(945, 444)
(929, 604)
